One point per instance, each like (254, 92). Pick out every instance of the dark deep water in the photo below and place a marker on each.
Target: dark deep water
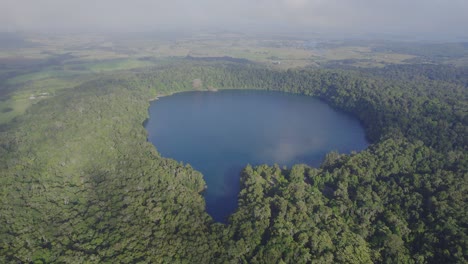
(219, 133)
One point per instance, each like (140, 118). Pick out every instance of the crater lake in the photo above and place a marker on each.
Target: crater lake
(219, 133)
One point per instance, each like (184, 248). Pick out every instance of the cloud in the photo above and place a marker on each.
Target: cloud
(286, 151)
(296, 3)
(347, 16)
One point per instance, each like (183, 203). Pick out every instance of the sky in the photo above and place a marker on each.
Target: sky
(424, 17)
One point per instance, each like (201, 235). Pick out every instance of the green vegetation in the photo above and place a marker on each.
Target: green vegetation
(80, 183)
(385, 204)
(35, 64)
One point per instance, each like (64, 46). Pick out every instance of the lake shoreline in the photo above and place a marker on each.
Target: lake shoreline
(210, 89)
(237, 127)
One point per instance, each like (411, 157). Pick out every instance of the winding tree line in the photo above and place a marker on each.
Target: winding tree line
(80, 183)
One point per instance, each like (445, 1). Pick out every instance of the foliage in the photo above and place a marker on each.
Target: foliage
(80, 183)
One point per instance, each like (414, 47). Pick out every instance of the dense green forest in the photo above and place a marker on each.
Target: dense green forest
(80, 183)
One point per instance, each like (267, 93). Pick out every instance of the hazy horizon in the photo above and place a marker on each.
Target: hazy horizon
(433, 19)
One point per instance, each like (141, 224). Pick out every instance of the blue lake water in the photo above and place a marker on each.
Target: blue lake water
(219, 133)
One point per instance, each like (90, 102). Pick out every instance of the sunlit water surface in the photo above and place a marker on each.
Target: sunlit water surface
(219, 133)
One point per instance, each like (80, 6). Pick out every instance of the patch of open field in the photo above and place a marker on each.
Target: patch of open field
(58, 62)
(363, 56)
(12, 108)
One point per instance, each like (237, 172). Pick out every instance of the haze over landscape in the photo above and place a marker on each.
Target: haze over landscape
(432, 19)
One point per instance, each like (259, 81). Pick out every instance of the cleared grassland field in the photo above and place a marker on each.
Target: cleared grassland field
(51, 63)
(364, 56)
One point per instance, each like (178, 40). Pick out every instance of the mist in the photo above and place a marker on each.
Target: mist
(429, 18)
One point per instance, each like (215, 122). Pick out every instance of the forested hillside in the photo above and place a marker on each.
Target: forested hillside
(80, 183)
